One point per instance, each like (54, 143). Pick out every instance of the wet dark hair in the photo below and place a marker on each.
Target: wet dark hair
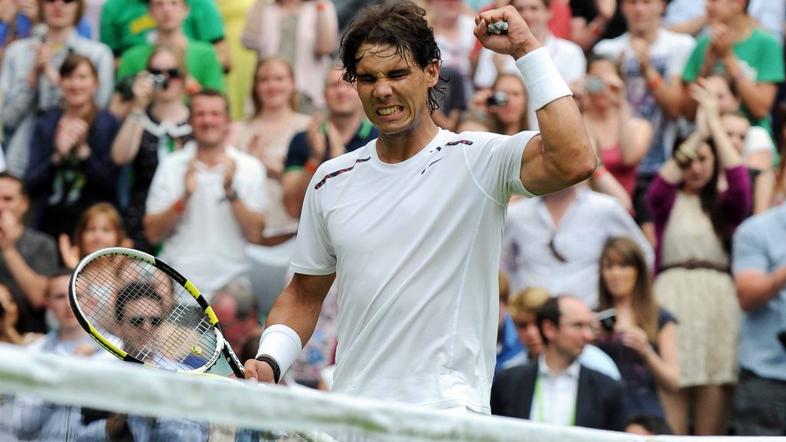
(401, 25)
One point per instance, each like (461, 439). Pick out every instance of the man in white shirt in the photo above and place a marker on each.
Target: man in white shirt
(653, 59)
(557, 389)
(206, 201)
(555, 241)
(410, 225)
(567, 56)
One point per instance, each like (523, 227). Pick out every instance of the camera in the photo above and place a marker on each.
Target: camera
(159, 81)
(607, 318)
(594, 84)
(498, 98)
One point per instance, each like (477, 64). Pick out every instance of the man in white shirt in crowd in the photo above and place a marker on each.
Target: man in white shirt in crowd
(206, 201)
(556, 388)
(555, 241)
(652, 59)
(567, 56)
(410, 225)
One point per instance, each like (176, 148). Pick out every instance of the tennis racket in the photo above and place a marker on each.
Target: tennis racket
(142, 310)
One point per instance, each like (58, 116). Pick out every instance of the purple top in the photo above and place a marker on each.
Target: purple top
(735, 201)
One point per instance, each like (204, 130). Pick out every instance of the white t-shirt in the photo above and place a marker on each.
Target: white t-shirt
(567, 56)
(668, 53)
(207, 245)
(757, 139)
(415, 248)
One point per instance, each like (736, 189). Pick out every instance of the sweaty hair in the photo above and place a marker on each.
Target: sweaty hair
(401, 25)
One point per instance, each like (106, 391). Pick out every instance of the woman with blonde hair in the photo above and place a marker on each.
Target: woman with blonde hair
(100, 226)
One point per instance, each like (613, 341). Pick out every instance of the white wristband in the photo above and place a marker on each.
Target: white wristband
(280, 343)
(543, 80)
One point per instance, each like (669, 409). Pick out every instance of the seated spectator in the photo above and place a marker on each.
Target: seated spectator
(344, 129)
(453, 32)
(30, 75)
(759, 265)
(567, 56)
(27, 259)
(70, 166)
(651, 59)
(156, 127)
(555, 241)
(523, 308)
(620, 138)
(505, 103)
(200, 58)
(9, 317)
(694, 221)
(648, 426)
(129, 23)
(267, 135)
(99, 227)
(508, 344)
(643, 337)
(237, 310)
(750, 56)
(302, 33)
(206, 200)
(556, 389)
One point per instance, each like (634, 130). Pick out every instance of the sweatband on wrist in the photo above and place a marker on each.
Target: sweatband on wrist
(543, 80)
(280, 343)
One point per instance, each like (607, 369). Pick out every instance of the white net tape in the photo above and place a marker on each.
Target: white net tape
(307, 415)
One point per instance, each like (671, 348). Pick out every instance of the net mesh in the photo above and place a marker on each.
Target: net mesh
(44, 397)
(141, 310)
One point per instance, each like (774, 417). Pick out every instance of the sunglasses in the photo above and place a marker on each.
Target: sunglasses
(170, 73)
(139, 321)
(553, 249)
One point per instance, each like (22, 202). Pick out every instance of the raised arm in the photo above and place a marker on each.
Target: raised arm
(562, 155)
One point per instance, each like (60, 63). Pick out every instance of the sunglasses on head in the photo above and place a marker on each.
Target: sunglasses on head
(170, 73)
(139, 321)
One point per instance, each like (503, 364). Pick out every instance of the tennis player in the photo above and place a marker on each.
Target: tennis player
(410, 225)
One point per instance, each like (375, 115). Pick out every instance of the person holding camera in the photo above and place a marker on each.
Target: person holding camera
(695, 216)
(156, 127)
(759, 266)
(641, 337)
(505, 103)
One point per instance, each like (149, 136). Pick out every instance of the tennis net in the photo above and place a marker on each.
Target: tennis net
(46, 397)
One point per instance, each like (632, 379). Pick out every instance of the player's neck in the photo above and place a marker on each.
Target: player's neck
(399, 147)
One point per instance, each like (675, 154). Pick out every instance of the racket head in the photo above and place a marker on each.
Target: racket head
(141, 310)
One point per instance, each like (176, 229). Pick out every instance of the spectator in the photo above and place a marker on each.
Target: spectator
(759, 264)
(269, 31)
(694, 221)
(505, 103)
(9, 317)
(508, 344)
(595, 20)
(523, 308)
(267, 135)
(620, 138)
(206, 200)
(99, 227)
(200, 58)
(129, 23)
(555, 241)
(648, 426)
(652, 60)
(156, 127)
(237, 310)
(70, 166)
(567, 56)
(751, 57)
(30, 78)
(643, 338)
(686, 16)
(557, 389)
(28, 257)
(453, 31)
(343, 130)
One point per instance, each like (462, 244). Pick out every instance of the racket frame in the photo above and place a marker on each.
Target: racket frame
(222, 346)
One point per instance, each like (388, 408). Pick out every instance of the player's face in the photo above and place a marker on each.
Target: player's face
(393, 89)
(209, 120)
(340, 97)
(642, 15)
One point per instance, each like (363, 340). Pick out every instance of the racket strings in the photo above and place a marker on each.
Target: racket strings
(143, 311)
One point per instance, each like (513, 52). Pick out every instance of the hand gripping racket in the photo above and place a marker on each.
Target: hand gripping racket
(142, 310)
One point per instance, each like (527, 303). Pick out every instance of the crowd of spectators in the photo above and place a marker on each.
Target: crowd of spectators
(651, 298)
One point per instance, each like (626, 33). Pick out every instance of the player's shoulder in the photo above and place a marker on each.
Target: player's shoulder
(346, 160)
